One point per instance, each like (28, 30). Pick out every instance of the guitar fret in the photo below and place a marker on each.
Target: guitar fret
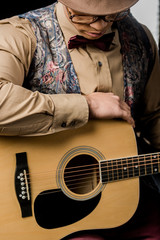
(148, 164)
(104, 173)
(125, 168)
(142, 168)
(119, 169)
(110, 171)
(135, 167)
(130, 167)
(155, 163)
(115, 172)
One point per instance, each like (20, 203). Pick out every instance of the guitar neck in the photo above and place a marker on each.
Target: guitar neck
(130, 167)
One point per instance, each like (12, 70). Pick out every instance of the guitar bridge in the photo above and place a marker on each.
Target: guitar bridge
(22, 184)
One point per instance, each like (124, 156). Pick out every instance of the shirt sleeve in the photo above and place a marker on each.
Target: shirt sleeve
(150, 118)
(23, 112)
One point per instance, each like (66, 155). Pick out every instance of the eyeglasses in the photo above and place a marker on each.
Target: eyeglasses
(88, 19)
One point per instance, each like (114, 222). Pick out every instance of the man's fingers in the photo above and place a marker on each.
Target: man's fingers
(126, 115)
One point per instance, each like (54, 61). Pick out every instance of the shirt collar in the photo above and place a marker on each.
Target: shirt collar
(67, 27)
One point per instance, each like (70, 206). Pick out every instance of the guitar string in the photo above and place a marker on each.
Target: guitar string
(68, 182)
(137, 164)
(76, 187)
(54, 191)
(81, 186)
(118, 169)
(121, 160)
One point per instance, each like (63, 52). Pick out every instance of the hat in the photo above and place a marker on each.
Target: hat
(98, 7)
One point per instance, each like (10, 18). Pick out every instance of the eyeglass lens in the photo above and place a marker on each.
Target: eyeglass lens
(90, 19)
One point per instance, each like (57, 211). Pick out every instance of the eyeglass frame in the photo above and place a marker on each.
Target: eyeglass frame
(98, 17)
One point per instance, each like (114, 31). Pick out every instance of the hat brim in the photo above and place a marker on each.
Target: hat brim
(99, 7)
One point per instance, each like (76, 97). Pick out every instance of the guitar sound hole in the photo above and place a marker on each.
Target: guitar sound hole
(81, 174)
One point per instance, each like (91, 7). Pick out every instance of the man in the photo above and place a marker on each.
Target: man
(49, 83)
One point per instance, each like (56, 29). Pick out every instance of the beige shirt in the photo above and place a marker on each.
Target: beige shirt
(23, 112)
(105, 78)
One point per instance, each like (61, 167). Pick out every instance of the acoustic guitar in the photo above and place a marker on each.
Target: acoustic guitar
(80, 179)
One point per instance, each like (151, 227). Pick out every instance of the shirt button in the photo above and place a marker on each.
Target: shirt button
(99, 63)
(63, 124)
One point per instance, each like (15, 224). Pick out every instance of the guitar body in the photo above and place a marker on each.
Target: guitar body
(58, 207)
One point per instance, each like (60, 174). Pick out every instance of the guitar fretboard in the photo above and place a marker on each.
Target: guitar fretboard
(130, 167)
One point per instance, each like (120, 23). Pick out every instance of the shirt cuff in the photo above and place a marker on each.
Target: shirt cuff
(70, 111)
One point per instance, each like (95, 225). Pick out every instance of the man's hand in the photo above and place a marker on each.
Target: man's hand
(108, 106)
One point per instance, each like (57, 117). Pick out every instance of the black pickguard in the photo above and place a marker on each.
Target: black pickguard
(53, 209)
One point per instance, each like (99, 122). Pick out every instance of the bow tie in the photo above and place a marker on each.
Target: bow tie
(102, 43)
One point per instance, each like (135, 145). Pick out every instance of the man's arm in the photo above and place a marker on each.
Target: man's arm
(150, 104)
(23, 112)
